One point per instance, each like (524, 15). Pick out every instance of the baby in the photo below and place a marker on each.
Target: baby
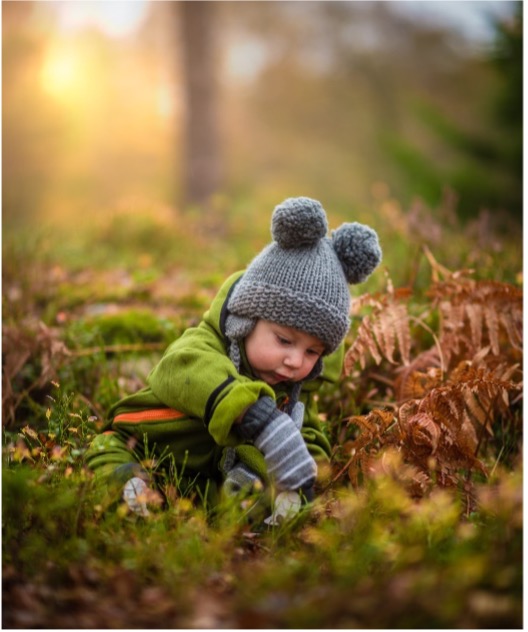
(231, 406)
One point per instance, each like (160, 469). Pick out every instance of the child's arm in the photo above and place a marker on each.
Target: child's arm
(274, 433)
(196, 377)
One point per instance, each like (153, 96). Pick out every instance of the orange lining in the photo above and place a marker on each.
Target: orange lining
(156, 414)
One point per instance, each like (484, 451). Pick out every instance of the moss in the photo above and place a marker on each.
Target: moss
(133, 326)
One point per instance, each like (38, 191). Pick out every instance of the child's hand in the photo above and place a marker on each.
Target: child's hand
(286, 507)
(274, 433)
(241, 478)
(135, 496)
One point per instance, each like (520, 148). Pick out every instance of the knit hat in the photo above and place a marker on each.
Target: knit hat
(301, 279)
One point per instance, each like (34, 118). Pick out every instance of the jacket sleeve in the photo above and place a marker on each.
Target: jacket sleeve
(312, 432)
(196, 377)
(312, 429)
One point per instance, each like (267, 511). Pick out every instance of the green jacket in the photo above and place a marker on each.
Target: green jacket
(185, 414)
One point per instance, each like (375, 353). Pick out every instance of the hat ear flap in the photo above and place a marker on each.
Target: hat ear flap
(238, 327)
(358, 250)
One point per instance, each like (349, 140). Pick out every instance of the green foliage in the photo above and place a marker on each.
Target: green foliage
(507, 56)
(135, 325)
(46, 518)
(427, 182)
(374, 558)
(482, 166)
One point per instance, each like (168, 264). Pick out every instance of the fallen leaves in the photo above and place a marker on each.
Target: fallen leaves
(33, 341)
(91, 598)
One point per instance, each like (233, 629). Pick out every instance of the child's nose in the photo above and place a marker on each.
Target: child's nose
(293, 359)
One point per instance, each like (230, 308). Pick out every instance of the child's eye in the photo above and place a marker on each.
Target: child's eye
(313, 352)
(283, 341)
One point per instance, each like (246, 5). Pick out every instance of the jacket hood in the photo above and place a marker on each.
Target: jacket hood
(217, 313)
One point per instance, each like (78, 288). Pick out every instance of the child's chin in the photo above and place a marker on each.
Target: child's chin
(270, 379)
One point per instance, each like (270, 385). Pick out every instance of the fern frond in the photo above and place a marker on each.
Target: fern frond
(365, 300)
(491, 318)
(385, 333)
(382, 332)
(403, 333)
(512, 323)
(373, 427)
(475, 317)
(424, 431)
(488, 307)
(363, 344)
(416, 384)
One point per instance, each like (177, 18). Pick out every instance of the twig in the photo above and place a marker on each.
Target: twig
(496, 462)
(436, 267)
(90, 404)
(381, 378)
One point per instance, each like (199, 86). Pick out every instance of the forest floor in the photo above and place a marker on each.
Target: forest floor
(418, 518)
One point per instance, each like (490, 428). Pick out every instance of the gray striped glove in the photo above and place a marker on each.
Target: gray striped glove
(273, 432)
(241, 478)
(297, 415)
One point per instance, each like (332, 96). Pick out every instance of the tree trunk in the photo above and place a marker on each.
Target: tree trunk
(202, 164)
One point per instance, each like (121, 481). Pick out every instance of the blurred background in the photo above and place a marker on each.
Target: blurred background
(175, 117)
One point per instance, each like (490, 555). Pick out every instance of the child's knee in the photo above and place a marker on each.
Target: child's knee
(108, 448)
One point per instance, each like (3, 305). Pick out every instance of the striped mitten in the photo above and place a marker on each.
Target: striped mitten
(297, 415)
(241, 478)
(273, 432)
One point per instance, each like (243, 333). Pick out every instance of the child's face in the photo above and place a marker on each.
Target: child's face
(281, 354)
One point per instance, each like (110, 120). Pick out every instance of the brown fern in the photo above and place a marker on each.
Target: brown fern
(382, 332)
(451, 396)
(373, 433)
(475, 313)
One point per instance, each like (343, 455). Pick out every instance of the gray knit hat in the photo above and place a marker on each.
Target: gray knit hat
(301, 279)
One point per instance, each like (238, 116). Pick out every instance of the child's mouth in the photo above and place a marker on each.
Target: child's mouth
(281, 378)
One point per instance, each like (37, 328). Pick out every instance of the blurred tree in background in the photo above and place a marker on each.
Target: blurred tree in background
(202, 164)
(336, 100)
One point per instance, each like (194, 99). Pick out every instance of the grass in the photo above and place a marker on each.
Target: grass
(83, 326)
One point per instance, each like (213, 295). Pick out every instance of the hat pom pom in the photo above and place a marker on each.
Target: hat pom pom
(298, 223)
(358, 250)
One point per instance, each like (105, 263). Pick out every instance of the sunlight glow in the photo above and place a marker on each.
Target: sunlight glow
(64, 72)
(58, 73)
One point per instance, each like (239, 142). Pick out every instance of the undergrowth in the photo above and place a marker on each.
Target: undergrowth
(418, 519)
(455, 407)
